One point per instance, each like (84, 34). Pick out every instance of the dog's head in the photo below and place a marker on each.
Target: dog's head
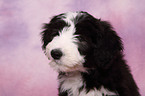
(76, 41)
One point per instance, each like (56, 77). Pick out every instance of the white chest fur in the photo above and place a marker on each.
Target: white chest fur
(73, 82)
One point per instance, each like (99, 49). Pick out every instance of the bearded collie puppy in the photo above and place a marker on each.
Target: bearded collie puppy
(88, 55)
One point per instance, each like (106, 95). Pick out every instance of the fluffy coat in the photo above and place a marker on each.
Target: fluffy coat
(96, 65)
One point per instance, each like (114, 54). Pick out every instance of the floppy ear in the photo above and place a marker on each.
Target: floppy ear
(45, 35)
(107, 44)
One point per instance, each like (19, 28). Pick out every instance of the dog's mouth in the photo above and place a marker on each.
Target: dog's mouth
(60, 67)
(76, 67)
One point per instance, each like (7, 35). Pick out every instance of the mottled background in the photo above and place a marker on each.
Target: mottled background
(24, 69)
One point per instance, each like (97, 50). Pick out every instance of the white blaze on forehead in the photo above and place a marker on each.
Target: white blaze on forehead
(69, 17)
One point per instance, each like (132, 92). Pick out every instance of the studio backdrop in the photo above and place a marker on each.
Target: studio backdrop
(24, 69)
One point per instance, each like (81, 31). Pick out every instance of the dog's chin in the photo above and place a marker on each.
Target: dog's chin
(60, 67)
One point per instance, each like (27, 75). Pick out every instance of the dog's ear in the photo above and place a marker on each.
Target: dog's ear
(45, 35)
(107, 44)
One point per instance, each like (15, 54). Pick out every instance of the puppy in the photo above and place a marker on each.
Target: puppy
(88, 55)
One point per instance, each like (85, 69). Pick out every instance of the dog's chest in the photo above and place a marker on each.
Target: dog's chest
(74, 85)
(71, 83)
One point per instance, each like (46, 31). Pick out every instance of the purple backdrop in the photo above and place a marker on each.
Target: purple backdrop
(24, 69)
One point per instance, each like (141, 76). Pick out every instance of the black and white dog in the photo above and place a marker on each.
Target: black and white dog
(88, 54)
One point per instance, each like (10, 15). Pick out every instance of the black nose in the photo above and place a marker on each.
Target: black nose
(56, 53)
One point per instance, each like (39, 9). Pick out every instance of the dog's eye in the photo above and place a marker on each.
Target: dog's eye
(82, 45)
(80, 38)
(54, 33)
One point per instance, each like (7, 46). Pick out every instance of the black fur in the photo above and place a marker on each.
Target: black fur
(103, 50)
(51, 29)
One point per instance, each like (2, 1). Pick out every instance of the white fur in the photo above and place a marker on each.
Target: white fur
(71, 59)
(73, 81)
(70, 16)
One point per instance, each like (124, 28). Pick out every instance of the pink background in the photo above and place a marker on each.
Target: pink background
(24, 69)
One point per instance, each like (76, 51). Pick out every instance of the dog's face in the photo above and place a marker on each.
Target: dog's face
(71, 39)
